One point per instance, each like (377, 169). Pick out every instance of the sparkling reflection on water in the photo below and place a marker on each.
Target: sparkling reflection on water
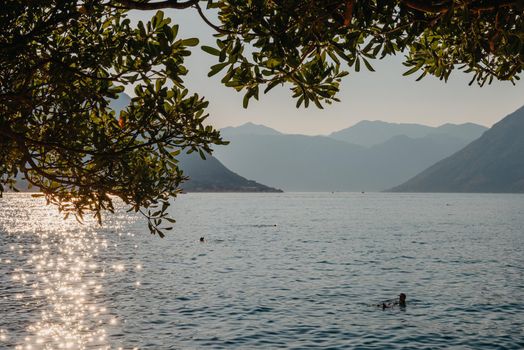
(277, 271)
(51, 292)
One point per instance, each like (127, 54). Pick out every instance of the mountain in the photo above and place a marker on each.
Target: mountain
(492, 163)
(248, 129)
(293, 162)
(210, 175)
(320, 163)
(369, 133)
(467, 131)
(400, 157)
(207, 175)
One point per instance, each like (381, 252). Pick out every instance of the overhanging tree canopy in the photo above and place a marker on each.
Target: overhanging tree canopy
(62, 61)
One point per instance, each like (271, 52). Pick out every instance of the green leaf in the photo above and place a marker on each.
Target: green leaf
(368, 65)
(175, 30)
(211, 50)
(271, 85)
(159, 16)
(189, 42)
(217, 68)
(411, 71)
(245, 100)
(299, 101)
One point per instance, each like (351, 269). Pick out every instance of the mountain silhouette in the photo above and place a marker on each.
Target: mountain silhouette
(370, 133)
(322, 163)
(248, 129)
(210, 175)
(207, 175)
(492, 163)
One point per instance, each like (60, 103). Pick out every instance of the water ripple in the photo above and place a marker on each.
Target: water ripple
(311, 282)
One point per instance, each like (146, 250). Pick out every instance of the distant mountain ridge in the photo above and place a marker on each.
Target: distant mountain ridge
(466, 131)
(210, 175)
(492, 163)
(249, 129)
(369, 133)
(323, 163)
(207, 175)
(294, 162)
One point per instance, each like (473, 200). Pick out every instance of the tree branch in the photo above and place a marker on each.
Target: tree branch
(208, 22)
(427, 6)
(437, 7)
(490, 5)
(173, 4)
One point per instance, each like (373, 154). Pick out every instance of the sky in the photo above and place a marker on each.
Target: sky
(382, 95)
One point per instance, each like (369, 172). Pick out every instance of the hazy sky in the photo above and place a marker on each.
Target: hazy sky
(382, 95)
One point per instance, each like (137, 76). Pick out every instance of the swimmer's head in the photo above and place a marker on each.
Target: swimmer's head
(402, 297)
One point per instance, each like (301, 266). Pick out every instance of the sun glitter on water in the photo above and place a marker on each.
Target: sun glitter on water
(59, 280)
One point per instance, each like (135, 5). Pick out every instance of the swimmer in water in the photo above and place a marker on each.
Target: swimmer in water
(402, 300)
(202, 240)
(392, 303)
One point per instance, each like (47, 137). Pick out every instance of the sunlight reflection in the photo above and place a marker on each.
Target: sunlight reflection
(59, 278)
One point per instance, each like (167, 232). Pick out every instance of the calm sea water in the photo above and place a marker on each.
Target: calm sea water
(291, 271)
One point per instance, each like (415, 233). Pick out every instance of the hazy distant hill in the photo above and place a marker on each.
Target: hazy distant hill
(207, 175)
(369, 133)
(321, 163)
(293, 162)
(210, 175)
(248, 129)
(467, 131)
(493, 163)
(400, 157)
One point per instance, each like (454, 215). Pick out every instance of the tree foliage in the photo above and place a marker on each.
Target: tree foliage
(311, 43)
(62, 61)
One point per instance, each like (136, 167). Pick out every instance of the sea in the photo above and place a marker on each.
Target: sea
(275, 271)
